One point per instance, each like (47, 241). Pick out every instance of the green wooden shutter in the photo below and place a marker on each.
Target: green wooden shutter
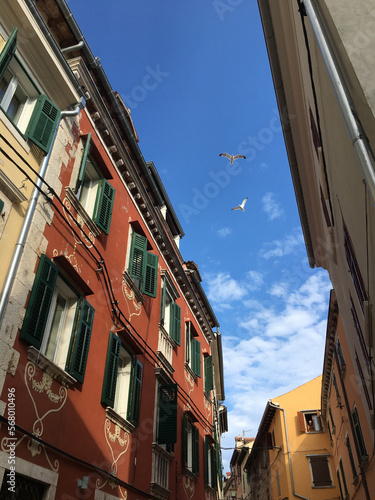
(167, 414)
(1, 206)
(39, 304)
(135, 392)
(80, 341)
(104, 205)
(43, 123)
(196, 357)
(358, 433)
(162, 303)
(111, 370)
(206, 450)
(185, 434)
(8, 51)
(82, 166)
(137, 255)
(175, 326)
(151, 274)
(195, 450)
(214, 467)
(208, 374)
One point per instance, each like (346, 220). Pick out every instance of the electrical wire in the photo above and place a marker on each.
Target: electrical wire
(100, 261)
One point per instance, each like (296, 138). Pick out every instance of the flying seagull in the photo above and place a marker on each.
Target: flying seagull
(242, 206)
(232, 157)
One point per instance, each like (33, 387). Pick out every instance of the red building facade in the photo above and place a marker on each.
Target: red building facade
(118, 381)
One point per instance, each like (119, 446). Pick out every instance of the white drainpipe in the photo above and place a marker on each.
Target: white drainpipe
(357, 134)
(20, 245)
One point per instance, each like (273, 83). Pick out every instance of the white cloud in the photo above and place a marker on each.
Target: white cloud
(280, 346)
(224, 232)
(271, 207)
(223, 289)
(255, 280)
(280, 248)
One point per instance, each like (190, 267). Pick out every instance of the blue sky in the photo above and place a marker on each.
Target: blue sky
(196, 78)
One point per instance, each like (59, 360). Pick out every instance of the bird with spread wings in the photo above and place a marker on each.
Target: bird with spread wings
(241, 206)
(232, 157)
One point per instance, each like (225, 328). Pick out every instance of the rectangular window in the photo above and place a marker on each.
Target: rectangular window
(143, 265)
(190, 445)
(351, 457)
(278, 484)
(122, 381)
(320, 471)
(358, 330)
(343, 477)
(359, 435)
(334, 382)
(170, 313)
(340, 484)
(31, 112)
(210, 463)
(340, 355)
(193, 350)
(363, 381)
(354, 269)
(167, 418)
(94, 192)
(58, 322)
(208, 374)
(309, 421)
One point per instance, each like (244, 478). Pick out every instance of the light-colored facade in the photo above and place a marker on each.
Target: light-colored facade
(321, 54)
(237, 485)
(291, 454)
(116, 383)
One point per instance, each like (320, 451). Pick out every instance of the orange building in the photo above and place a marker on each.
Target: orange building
(116, 382)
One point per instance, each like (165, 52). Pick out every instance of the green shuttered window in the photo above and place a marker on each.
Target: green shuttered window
(95, 193)
(143, 265)
(210, 463)
(53, 305)
(190, 445)
(208, 374)
(122, 381)
(358, 434)
(170, 314)
(167, 424)
(21, 98)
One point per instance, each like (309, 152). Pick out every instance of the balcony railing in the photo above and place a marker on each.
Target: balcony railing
(165, 347)
(160, 472)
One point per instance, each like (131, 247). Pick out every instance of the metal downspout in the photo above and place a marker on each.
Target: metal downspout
(20, 245)
(356, 131)
(288, 449)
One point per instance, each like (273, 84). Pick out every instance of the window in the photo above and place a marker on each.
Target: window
(340, 485)
(143, 265)
(95, 193)
(351, 457)
(359, 435)
(331, 417)
(208, 374)
(278, 484)
(343, 477)
(58, 321)
(309, 421)
(334, 382)
(340, 355)
(193, 350)
(210, 463)
(190, 445)
(363, 381)
(167, 418)
(122, 381)
(32, 112)
(358, 330)
(354, 269)
(170, 314)
(320, 471)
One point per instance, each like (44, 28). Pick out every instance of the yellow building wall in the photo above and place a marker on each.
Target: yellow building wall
(14, 210)
(301, 445)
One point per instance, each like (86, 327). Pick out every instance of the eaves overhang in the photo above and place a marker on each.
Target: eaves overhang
(264, 425)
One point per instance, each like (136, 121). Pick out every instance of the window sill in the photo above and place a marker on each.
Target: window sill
(189, 473)
(85, 218)
(49, 367)
(190, 371)
(128, 280)
(118, 420)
